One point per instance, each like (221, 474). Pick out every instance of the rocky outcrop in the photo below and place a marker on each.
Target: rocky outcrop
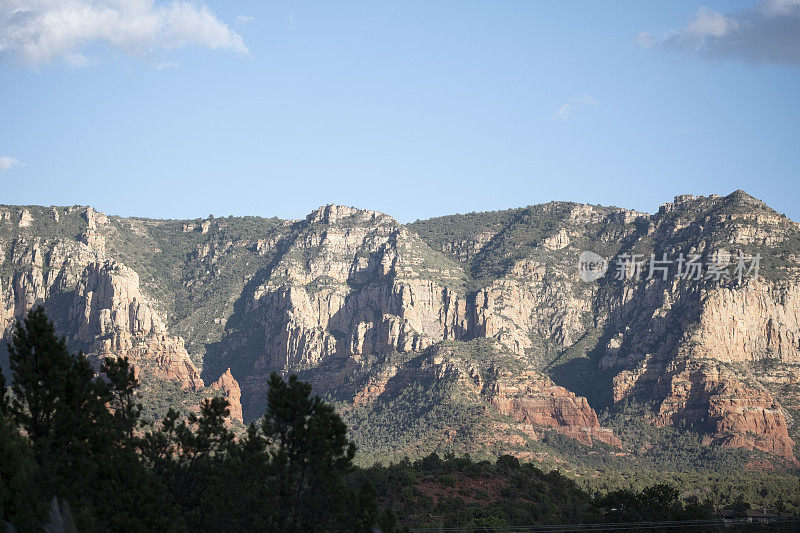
(743, 324)
(25, 218)
(350, 284)
(229, 388)
(40, 272)
(533, 399)
(109, 305)
(733, 413)
(353, 283)
(486, 374)
(375, 386)
(530, 303)
(111, 315)
(95, 301)
(466, 249)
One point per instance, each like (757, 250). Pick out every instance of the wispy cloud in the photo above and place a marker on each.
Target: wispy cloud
(567, 109)
(768, 32)
(163, 65)
(290, 26)
(39, 32)
(243, 20)
(6, 162)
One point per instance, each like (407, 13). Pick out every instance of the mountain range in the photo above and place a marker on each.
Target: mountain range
(478, 333)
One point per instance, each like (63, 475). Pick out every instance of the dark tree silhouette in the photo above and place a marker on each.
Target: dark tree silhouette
(310, 457)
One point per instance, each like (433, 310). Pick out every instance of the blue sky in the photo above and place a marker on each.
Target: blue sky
(417, 109)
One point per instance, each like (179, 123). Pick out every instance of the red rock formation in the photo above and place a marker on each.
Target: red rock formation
(375, 387)
(534, 399)
(735, 414)
(165, 358)
(231, 392)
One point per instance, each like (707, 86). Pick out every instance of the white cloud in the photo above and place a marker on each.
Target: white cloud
(708, 23)
(780, 7)
(768, 32)
(37, 32)
(242, 20)
(7, 162)
(645, 39)
(78, 60)
(563, 111)
(566, 110)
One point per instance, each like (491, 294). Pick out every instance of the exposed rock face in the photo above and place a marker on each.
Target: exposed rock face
(533, 399)
(166, 358)
(353, 283)
(529, 304)
(756, 321)
(376, 386)
(651, 327)
(696, 347)
(95, 301)
(25, 218)
(39, 272)
(230, 390)
(704, 394)
(351, 296)
(111, 315)
(109, 304)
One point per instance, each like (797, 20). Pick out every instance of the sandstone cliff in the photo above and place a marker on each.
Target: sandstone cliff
(59, 259)
(365, 308)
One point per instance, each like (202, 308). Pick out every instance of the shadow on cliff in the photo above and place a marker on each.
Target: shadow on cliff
(244, 339)
(58, 308)
(5, 366)
(583, 375)
(250, 329)
(371, 297)
(644, 333)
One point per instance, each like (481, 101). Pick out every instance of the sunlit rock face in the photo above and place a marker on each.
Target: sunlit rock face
(362, 306)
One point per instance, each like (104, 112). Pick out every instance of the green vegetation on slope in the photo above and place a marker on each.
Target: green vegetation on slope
(199, 275)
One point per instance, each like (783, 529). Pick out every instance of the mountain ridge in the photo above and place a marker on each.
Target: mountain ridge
(364, 307)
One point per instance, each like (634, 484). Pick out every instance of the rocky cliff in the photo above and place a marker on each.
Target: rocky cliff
(378, 314)
(58, 258)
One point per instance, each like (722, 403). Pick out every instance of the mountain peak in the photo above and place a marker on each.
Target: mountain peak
(741, 202)
(332, 213)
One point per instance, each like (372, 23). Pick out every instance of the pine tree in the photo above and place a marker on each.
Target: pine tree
(82, 453)
(40, 363)
(18, 497)
(309, 459)
(235, 497)
(123, 385)
(189, 456)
